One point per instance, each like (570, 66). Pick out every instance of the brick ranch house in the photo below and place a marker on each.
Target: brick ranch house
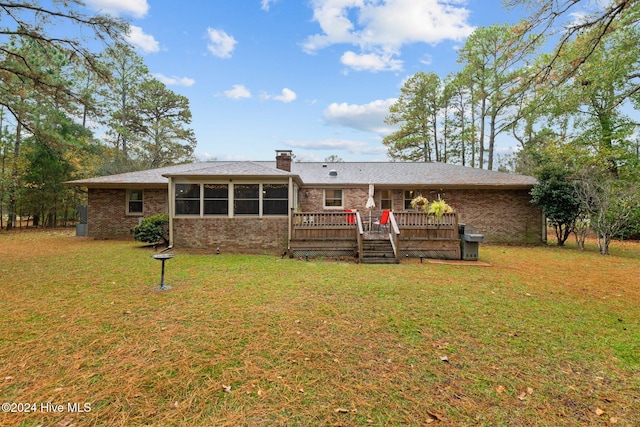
(247, 206)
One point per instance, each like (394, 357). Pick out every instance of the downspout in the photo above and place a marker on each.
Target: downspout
(171, 193)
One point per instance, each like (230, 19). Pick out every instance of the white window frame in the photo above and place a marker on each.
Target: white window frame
(324, 198)
(135, 213)
(383, 199)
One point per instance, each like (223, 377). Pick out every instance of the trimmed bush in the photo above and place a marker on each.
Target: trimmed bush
(153, 229)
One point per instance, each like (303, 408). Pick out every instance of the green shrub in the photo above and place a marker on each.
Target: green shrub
(153, 229)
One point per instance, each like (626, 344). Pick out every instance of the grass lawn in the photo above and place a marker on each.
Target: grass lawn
(545, 336)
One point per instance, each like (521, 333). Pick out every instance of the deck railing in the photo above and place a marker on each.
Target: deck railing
(314, 223)
(423, 226)
(421, 219)
(342, 233)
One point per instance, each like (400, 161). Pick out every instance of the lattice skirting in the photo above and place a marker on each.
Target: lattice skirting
(317, 253)
(432, 254)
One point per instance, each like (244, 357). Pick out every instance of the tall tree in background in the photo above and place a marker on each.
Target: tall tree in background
(416, 111)
(494, 59)
(334, 158)
(48, 166)
(33, 63)
(593, 99)
(128, 73)
(31, 23)
(27, 105)
(161, 119)
(459, 120)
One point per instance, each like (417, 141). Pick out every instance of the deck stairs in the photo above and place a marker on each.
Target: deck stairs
(378, 251)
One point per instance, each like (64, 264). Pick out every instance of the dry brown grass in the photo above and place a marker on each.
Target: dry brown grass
(544, 337)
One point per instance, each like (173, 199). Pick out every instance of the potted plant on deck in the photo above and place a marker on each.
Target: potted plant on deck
(420, 202)
(439, 208)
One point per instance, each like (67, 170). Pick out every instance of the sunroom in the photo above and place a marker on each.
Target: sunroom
(239, 206)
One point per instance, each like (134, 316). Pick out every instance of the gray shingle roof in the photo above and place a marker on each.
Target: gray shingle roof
(247, 169)
(406, 173)
(317, 173)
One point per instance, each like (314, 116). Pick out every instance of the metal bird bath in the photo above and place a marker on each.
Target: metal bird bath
(163, 258)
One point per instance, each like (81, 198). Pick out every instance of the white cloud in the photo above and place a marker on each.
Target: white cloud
(237, 92)
(145, 42)
(367, 117)
(174, 81)
(266, 4)
(287, 96)
(337, 145)
(135, 8)
(371, 62)
(385, 26)
(220, 43)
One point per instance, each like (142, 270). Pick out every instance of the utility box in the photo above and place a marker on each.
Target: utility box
(469, 242)
(82, 227)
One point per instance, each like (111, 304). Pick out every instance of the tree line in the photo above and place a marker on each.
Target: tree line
(564, 84)
(58, 90)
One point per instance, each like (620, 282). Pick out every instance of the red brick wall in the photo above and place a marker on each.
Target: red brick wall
(108, 217)
(501, 215)
(232, 235)
(352, 198)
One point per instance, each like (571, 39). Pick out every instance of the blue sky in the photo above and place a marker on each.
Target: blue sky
(313, 76)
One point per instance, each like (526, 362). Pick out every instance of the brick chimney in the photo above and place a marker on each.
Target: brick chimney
(283, 160)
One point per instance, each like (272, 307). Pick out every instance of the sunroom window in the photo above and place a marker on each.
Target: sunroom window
(187, 199)
(246, 199)
(275, 199)
(216, 199)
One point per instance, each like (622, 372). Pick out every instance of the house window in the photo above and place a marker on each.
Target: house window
(408, 197)
(187, 199)
(275, 199)
(385, 199)
(332, 198)
(134, 203)
(216, 199)
(246, 199)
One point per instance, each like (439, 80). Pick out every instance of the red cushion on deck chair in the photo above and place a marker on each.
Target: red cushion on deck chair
(385, 217)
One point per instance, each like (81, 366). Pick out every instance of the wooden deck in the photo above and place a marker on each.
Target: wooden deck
(336, 234)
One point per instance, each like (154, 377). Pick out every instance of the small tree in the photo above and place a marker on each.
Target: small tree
(581, 229)
(557, 197)
(610, 204)
(153, 229)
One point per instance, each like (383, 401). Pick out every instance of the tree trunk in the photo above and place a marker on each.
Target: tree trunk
(492, 139)
(483, 113)
(604, 247)
(13, 188)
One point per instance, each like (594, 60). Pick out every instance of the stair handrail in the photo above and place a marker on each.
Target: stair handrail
(394, 232)
(359, 235)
